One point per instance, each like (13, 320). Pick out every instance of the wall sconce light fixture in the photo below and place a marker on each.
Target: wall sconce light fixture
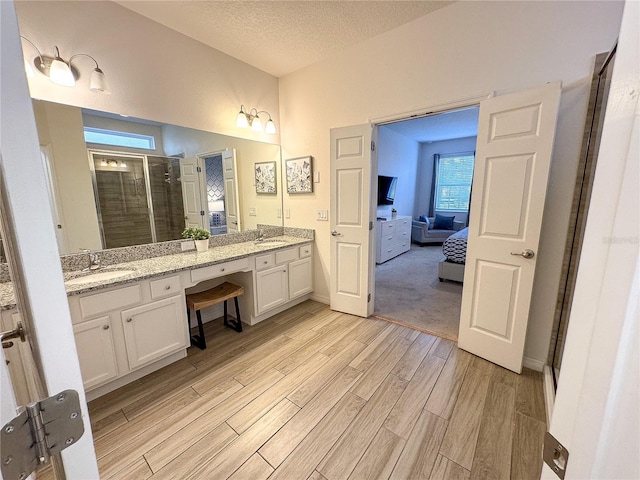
(64, 73)
(252, 119)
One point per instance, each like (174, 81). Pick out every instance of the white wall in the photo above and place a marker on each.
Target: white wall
(425, 175)
(60, 127)
(154, 72)
(490, 46)
(398, 157)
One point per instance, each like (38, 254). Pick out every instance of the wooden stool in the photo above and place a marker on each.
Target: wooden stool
(213, 296)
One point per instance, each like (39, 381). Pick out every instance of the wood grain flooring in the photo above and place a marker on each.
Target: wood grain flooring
(316, 394)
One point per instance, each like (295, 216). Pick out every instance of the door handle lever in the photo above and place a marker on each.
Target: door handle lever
(17, 332)
(525, 253)
(335, 233)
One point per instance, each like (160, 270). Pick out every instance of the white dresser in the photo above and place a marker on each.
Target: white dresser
(393, 237)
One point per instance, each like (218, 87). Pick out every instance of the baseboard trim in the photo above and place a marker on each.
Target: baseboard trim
(321, 299)
(533, 364)
(549, 392)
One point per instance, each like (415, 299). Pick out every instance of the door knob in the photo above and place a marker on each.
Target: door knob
(335, 233)
(525, 253)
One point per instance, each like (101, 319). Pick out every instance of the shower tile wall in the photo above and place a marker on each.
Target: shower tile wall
(123, 205)
(215, 190)
(166, 197)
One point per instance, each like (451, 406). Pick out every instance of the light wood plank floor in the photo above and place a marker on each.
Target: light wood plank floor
(316, 394)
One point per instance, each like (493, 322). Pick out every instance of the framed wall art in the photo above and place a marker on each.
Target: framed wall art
(299, 175)
(266, 177)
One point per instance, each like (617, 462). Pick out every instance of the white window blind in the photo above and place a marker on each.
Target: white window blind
(454, 174)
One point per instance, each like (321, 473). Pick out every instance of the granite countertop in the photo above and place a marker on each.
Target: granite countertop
(156, 266)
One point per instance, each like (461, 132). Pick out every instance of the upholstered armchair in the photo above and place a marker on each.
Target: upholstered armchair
(423, 231)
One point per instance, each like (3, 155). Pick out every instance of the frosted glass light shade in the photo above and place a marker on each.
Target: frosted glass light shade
(60, 73)
(256, 124)
(241, 121)
(98, 82)
(270, 128)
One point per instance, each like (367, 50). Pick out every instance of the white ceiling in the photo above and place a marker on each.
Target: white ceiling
(280, 37)
(443, 126)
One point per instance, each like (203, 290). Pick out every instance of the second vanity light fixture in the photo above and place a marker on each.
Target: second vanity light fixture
(252, 119)
(63, 72)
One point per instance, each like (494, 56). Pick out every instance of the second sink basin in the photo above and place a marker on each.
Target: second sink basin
(99, 277)
(271, 243)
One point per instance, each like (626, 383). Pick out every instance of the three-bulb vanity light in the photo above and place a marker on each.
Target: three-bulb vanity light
(63, 72)
(252, 119)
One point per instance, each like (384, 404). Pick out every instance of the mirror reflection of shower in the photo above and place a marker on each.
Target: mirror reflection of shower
(138, 198)
(215, 194)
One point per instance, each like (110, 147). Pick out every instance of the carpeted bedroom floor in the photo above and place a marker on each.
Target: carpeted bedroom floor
(408, 292)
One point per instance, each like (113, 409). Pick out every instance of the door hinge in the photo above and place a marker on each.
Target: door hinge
(42, 430)
(373, 146)
(199, 169)
(202, 213)
(368, 298)
(555, 455)
(370, 225)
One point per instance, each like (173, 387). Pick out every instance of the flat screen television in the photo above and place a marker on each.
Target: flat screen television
(386, 189)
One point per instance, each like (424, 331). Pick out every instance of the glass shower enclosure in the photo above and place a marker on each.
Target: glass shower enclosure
(138, 198)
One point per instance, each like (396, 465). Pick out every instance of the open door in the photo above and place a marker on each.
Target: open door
(513, 157)
(231, 195)
(34, 260)
(192, 189)
(350, 220)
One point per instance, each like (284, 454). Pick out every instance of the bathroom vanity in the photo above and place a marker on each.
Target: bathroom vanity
(130, 319)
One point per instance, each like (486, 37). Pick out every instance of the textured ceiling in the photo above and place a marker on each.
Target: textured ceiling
(443, 126)
(280, 37)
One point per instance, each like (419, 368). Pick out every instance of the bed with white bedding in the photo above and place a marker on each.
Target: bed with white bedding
(454, 249)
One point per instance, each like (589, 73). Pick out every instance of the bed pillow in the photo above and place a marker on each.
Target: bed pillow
(443, 222)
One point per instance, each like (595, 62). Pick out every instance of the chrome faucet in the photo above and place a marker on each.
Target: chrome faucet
(94, 261)
(260, 235)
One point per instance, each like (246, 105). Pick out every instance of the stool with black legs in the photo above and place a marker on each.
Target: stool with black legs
(213, 296)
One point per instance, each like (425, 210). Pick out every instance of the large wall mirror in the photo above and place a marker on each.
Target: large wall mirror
(117, 181)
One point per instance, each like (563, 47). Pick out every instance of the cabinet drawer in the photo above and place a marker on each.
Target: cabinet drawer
(265, 261)
(388, 227)
(388, 241)
(220, 269)
(108, 301)
(165, 287)
(402, 224)
(288, 255)
(305, 251)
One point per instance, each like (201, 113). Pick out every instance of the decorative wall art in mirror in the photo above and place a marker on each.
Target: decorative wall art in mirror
(299, 175)
(265, 173)
(118, 181)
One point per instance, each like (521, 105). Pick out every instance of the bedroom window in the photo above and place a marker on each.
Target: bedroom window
(453, 176)
(119, 139)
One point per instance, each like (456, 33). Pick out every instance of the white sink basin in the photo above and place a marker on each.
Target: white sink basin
(271, 243)
(99, 277)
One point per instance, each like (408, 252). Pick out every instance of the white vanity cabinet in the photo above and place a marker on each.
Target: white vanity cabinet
(282, 276)
(126, 332)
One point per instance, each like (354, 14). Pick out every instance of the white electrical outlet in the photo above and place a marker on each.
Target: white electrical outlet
(279, 213)
(186, 246)
(316, 177)
(287, 213)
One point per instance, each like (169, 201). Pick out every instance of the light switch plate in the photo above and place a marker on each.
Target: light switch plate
(287, 213)
(253, 211)
(316, 177)
(322, 215)
(279, 213)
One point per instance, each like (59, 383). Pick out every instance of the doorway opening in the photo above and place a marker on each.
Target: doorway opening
(430, 160)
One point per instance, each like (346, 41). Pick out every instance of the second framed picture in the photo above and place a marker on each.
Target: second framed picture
(266, 177)
(299, 175)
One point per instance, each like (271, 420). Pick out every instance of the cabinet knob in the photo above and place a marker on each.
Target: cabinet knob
(222, 269)
(105, 327)
(129, 320)
(168, 287)
(265, 262)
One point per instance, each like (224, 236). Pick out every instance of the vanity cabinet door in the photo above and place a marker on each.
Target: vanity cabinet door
(94, 343)
(300, 278)
(155, 330)
(271, 288)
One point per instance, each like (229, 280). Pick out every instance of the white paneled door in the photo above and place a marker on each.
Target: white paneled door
(231, 194)
(513, 156)
(192, 191)
(350, 215)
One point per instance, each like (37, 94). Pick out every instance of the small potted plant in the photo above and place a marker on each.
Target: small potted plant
(199, 236)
